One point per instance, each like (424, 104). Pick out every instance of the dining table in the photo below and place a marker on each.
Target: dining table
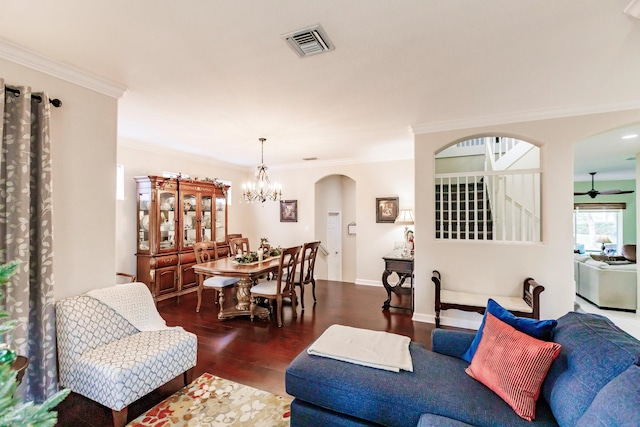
(248, 275)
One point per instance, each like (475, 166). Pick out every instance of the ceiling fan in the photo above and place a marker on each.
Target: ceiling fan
(593, 193)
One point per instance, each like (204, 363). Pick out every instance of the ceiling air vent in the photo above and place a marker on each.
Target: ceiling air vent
(308, 41)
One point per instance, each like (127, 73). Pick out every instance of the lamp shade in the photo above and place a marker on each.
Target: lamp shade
(603, 238)
(405, 217)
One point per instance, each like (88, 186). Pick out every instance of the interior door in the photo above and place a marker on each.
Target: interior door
(334, 246)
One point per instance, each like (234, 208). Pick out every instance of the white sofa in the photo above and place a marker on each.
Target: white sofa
(115, 356)
(608, 285)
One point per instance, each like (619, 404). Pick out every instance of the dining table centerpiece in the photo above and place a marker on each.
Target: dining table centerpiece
(254, 256)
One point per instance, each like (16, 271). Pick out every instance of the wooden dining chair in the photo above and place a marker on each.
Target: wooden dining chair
(283, 286)
(304, 275)
(239, 245)
(204, 251)
(125, 277)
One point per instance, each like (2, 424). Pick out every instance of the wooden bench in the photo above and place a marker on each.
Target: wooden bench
(527, 306)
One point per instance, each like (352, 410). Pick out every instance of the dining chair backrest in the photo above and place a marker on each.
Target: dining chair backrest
(234, 236)
(204, 251)
(240, 245)
(308, 261)
(287, 269)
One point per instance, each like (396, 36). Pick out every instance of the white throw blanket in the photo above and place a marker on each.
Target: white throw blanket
(375, 349)
(134, 302)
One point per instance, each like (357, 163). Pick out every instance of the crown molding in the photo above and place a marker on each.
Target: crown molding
(525, 116)
(20, 55)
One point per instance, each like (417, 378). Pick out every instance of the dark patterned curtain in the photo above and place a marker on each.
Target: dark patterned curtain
(26, 236)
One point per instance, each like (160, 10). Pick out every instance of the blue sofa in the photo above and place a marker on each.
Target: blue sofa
(595, 381)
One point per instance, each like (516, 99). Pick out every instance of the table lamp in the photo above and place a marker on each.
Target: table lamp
(405, 217)
(604, 239)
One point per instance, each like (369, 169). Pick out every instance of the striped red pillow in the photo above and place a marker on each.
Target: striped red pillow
(512, 364)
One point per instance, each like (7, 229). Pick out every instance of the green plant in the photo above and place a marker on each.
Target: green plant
(13, 413)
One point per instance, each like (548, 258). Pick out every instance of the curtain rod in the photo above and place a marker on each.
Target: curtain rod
(55, 102)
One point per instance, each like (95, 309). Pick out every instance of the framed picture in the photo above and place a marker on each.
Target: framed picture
(289, 211)
(386, 209)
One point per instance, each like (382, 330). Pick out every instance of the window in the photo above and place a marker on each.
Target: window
(119, 182)
(593, 227)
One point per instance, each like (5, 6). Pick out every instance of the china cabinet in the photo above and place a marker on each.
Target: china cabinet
(172, 215)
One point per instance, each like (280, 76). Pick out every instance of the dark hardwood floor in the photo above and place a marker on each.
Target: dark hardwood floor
(257, 353)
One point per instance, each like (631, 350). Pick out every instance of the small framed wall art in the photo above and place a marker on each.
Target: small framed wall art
(289, 211)
(386, 209)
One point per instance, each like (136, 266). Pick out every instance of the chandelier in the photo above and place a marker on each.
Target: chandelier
(261, 190)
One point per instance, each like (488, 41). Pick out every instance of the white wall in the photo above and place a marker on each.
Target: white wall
(499, 268)
(371, 180)
(139, 160)
(83, 141)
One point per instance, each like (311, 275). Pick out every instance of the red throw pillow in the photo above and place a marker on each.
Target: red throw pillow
(512, 364)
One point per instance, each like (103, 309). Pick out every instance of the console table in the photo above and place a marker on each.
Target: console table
(394, 262)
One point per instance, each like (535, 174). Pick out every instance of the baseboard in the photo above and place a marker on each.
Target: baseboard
(368, 282)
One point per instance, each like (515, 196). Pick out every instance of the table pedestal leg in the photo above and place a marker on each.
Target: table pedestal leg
(243, 304)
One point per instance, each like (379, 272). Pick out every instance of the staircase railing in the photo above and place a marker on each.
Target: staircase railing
(503, 205)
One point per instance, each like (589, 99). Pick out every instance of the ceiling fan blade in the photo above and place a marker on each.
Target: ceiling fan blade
(609, 192)
(581, 194)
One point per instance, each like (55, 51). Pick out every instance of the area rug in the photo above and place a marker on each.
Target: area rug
(212, 401)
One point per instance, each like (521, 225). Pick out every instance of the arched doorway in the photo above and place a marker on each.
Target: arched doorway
(335, 209)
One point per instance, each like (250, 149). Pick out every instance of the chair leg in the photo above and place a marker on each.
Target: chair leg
(313, 289)
(120, 417)
(279, 308)
(199, 295)
(252, 307)
(294, 302)
(302, 295)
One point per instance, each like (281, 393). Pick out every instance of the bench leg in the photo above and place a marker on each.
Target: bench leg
(120, 417)
(188, 376)
(437, 318)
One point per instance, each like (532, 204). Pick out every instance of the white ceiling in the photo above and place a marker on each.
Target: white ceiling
(210, 77)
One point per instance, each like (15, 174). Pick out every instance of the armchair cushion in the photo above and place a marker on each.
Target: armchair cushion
(123, 371)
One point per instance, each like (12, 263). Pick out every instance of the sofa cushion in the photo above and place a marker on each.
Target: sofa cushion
(512, 364)
(617, 404)
(431, 420)
(399, 399)
(596, 263)
(594, 351)
(304, 414)
(540, 329)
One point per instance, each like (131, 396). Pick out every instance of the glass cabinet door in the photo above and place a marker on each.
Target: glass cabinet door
(167, 221)
(206, 230)
(189, 223)
(144, 203)
(221, 219)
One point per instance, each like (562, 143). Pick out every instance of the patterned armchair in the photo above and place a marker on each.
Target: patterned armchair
(102, 356)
